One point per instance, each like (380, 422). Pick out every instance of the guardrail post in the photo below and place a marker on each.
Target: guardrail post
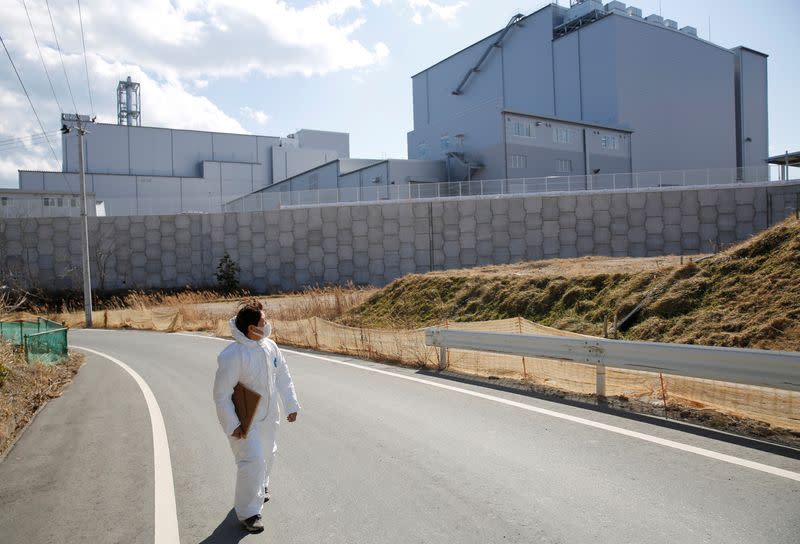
(600, 381)
(442, 357)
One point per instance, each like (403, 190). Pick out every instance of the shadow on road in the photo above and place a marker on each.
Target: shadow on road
(227, 532)
(722, 436)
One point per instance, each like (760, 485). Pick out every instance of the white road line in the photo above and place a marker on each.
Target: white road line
(543, 411)
(166, 514)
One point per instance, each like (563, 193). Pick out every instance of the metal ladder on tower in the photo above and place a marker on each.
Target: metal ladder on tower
(515, 20)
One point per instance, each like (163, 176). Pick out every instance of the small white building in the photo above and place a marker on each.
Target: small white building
(18, 204)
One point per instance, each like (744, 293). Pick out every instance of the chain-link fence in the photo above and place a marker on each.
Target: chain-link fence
(42, 340)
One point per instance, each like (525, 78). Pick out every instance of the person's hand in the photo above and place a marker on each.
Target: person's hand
(291, 418)
(238, 433)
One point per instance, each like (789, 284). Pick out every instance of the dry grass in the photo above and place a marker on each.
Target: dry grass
(40, 302)
(576, 267)
(25, 388)
(180, 312)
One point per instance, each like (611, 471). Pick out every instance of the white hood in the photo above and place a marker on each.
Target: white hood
(239, 336)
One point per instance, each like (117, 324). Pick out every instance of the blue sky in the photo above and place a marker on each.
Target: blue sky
(271, 67)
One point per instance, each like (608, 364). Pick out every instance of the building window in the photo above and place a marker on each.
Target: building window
(563, 135)
(563, 166)
(422, 151)
(60, 202)
(524, 129)
(46, 201)
(73, 202)
(4, 201)
(609, 142)
(518, 161)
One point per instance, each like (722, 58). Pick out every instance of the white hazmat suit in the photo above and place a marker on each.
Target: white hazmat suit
(260, 366)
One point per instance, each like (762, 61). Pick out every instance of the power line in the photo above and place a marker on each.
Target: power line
(50, 81)
(63, 66)
(24, 143)
(26, 137)
(85, 62)
(41, 126)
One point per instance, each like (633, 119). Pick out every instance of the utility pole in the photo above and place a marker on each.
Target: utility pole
(76, 122)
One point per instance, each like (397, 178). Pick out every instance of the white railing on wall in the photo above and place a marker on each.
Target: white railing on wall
(268, 200)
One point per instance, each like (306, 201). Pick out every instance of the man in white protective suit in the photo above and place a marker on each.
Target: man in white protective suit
(255, 361)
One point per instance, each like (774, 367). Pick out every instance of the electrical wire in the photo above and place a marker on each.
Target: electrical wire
(23, 143)
(85, 62)
(41, 57)
(28, 96)
(63, 66)
(19, 138)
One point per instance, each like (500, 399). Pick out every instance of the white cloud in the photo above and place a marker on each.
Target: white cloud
(430, 9)
(173, 52)
(255, 115)
(445, 12)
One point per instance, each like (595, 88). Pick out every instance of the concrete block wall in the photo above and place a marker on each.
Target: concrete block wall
(377, 243)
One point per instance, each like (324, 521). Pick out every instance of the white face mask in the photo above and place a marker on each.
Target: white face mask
(265, 332)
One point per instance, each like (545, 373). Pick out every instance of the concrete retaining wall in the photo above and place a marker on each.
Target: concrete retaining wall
(377, 243)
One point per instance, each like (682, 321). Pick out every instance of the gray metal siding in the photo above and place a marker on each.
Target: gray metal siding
(150, 152)
(677, 93)
(419, 86)
(483, 86)
(598, 66)
(189, 149)
(158, 195)
(528, 65)
(483, 139)
(107, 150)
(754, 114)
(567, 77)
(234, 147)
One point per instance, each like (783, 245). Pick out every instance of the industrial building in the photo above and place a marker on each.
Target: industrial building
(577, 93)
(591, 89)
(137, 170)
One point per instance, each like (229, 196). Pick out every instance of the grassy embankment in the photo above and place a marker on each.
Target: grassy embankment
(26, 388)
(746, 296)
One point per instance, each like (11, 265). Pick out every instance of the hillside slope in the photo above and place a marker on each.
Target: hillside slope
(746, 296)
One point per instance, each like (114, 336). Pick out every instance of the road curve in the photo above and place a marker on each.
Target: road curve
(374, 458)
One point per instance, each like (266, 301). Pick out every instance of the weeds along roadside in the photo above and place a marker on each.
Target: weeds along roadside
(25, 389)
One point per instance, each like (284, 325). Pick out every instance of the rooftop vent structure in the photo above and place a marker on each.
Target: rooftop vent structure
(669, 23)
(580, 8)
(655, 19)
(634, 12)
(690, 30)
(616, 7)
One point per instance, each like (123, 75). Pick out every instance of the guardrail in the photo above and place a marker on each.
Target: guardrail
(776, 369)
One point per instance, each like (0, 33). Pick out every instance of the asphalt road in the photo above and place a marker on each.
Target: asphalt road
(378, 454)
